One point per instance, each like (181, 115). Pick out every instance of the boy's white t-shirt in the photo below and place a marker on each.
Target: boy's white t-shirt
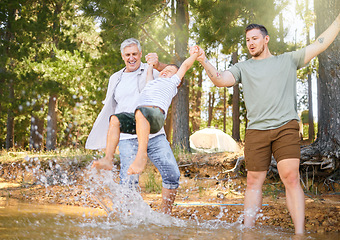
(159, 92)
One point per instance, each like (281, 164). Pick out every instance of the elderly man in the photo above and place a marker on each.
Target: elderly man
(123, 91)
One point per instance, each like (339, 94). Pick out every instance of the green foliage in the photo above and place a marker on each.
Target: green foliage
(120, 19)
(306, 130)
(223, 22)
(50, 60)
(70, 48)
(152, 184)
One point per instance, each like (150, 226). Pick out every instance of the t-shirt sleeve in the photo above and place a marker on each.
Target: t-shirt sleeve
(155, 74)
(235, 70)
(299, 57)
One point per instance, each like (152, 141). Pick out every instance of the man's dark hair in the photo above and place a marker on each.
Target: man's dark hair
(259, 27)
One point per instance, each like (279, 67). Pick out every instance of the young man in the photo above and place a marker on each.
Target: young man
(122, 94)
(149, 115)
(269, 85)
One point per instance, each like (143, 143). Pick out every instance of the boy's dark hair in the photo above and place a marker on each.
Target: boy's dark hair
(172, 64)
(257, 26)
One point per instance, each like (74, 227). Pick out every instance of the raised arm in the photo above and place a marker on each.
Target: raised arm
(323, 41)
(220, 79)
(153, 57)
(149, 73)
(188, 62)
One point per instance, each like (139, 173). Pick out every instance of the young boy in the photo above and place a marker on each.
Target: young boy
(149, 115)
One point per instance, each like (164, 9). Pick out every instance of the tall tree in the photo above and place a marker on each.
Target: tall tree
(180, 107)
(327, 146)
(9, 18)
(311, 132)
(236, 106)
(50, 53)
(196, 99)
(211, 104)
(307, 16)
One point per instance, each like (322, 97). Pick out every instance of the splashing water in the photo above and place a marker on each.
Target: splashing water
(123, 203)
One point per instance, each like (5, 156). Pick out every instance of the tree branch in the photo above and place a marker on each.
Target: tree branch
(154, 40)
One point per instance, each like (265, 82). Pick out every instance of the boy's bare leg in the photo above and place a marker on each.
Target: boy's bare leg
(111, 145)
(143, 131)
(168, 198)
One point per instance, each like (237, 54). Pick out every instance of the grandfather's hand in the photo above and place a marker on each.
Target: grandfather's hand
(152, 59)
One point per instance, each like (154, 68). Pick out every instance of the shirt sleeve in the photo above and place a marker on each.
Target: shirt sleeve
(155, 74)
(299, 58)
(235, 70)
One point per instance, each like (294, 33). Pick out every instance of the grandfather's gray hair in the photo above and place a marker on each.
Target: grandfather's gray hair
(128, 42)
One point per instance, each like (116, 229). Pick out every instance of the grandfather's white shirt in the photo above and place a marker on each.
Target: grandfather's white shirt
(127, 93)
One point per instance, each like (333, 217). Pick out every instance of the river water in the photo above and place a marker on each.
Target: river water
(19, 220)
(124, 216)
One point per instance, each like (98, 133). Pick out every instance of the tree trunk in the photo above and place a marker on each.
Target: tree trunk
(197, 95)
(168, 125)
(36, 134)
(327, 146)
(311, 133)
(51, 131)
(181, 101)
(225, 109)
(211, 102)
(236, 106)
(10, 118)
(9, 38)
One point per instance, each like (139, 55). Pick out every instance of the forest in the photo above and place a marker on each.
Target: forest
(57, 56)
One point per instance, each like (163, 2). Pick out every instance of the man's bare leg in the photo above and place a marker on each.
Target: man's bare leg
(168, 199)
(143, 132)
(295, 199)
(253, 196)
(111, 145)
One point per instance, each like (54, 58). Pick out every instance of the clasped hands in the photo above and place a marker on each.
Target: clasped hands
(152, 58)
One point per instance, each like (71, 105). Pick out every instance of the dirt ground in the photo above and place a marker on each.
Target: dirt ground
(206, 192)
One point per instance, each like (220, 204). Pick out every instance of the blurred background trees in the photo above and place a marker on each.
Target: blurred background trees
(56, 58)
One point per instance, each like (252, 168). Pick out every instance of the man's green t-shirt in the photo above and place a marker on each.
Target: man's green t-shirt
(269, 88)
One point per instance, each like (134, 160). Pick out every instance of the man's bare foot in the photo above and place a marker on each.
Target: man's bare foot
(103, 163)
(138, 164)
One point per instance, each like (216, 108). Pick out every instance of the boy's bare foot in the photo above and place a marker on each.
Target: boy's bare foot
(138, 164)
(103, 163)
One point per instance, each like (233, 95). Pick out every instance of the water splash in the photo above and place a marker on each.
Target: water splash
(124, 203)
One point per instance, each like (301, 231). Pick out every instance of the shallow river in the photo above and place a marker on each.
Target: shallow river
(20, 220)
(126, 216)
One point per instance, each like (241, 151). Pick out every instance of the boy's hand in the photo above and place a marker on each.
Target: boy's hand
(194, 50)
(152, 59)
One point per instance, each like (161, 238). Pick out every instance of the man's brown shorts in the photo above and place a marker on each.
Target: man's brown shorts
(282, 142)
